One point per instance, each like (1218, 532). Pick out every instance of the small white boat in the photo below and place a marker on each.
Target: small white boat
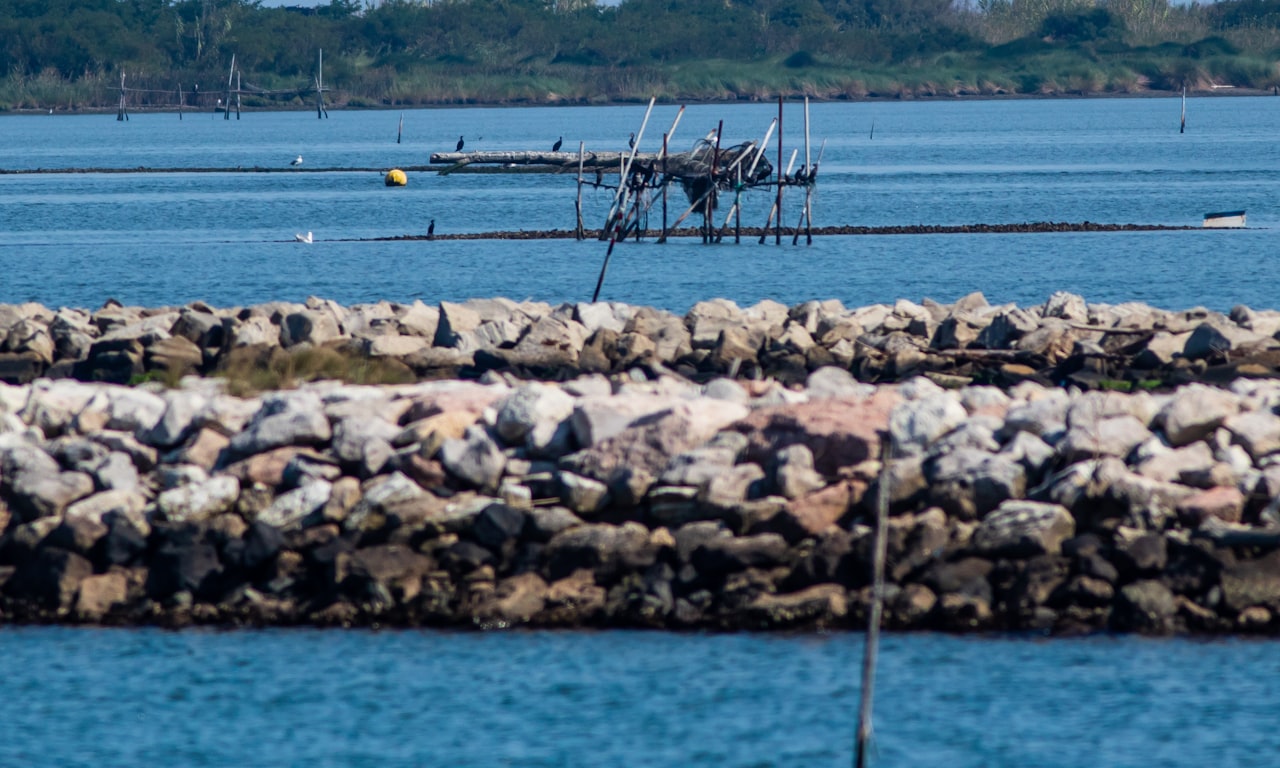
(1224, 220)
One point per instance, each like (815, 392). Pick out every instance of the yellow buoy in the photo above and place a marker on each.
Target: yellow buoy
(396, 178)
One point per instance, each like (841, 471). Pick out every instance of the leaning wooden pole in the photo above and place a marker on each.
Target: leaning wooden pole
(711, 185)
(579, 232)
(774, 209)
(872, 648)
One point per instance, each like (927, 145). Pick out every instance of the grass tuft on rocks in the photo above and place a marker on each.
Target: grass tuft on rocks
(250, 370)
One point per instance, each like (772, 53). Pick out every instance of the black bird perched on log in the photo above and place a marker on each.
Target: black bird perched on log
(431, 229)
(800, 177)
(599, 177)
(556, 147)
(631, 142)
(460, 143)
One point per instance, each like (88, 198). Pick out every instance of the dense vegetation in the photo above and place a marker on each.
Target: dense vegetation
(60, 53)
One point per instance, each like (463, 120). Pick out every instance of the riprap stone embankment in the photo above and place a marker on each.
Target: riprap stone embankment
(638, 498)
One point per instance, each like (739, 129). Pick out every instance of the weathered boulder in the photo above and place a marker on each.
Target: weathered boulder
(295, 418)
(1023, 528)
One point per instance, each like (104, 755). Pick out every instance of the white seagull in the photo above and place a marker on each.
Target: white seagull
(303, 238)
(297, 160)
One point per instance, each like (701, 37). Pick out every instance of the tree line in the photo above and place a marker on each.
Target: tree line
(409, 51)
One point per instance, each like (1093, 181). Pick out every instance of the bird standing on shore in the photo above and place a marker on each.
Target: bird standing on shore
(460, 143)
(631, 142)
(559, 142)
(297, 160)
(431, 229)
(303, 238)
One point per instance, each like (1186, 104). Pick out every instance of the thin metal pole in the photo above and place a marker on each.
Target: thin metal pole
(872, 648)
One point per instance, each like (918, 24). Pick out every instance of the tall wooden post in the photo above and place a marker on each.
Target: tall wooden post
(237, 94)
(808, 189)
(231, 74)
(665, 184)
(120, 113)
(872, 648)
(579, 232)
(179, 101)
(777, 226)
(711, 189)
(737, 212)
(320, 110)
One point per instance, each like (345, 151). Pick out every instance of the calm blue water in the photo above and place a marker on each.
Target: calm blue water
(227, 238)
(95, 698)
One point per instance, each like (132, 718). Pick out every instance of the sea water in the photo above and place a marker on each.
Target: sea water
(317, 698)
(228, 237)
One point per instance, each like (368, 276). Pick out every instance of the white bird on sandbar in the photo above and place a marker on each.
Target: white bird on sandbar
(304, 238)
(297, 160)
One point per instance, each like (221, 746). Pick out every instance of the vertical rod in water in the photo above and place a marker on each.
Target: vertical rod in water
(665, 184)
(179, 101)
(582, 156)
(120, 116)
(231, 75)
(237, 94)
(1183, 128)
(400, 129)
(777, 229)
(808, 188)
(872, 647)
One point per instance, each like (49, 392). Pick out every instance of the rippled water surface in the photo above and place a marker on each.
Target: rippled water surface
(93, 698)
(227, 238)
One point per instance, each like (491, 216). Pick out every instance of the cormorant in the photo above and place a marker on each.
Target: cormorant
(631, 142)
(599, 177)
(431, 228)
(460, 143)
(556, 147)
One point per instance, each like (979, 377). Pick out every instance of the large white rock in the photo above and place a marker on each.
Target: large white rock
(528, 406)
(915, 424)
(200, 500)
(289, 509)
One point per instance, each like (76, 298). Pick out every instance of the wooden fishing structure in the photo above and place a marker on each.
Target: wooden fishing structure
(231, 95)
(709, 170)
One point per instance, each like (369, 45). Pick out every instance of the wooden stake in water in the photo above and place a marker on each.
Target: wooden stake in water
(400, 129)
(120, 112)
(237, 94)
(777, 231)
(179, 101)
(320, 108)
(1183, 129)
(774, 210)
(665, 184)
(579, 231)
(231, 75)
(872, 648)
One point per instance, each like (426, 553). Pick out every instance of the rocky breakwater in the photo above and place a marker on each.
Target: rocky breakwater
(641, 500)
(1062, 341)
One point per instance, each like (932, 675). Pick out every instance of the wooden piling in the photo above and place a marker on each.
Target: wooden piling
(400, 128)
(774, 210)
(808, 189)
(872, 648)
(320, 108)
(120, 113)
(665, 184)
(580, 232)
(231, 74)
(777, 231)
(237, 94)
(179, 101)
